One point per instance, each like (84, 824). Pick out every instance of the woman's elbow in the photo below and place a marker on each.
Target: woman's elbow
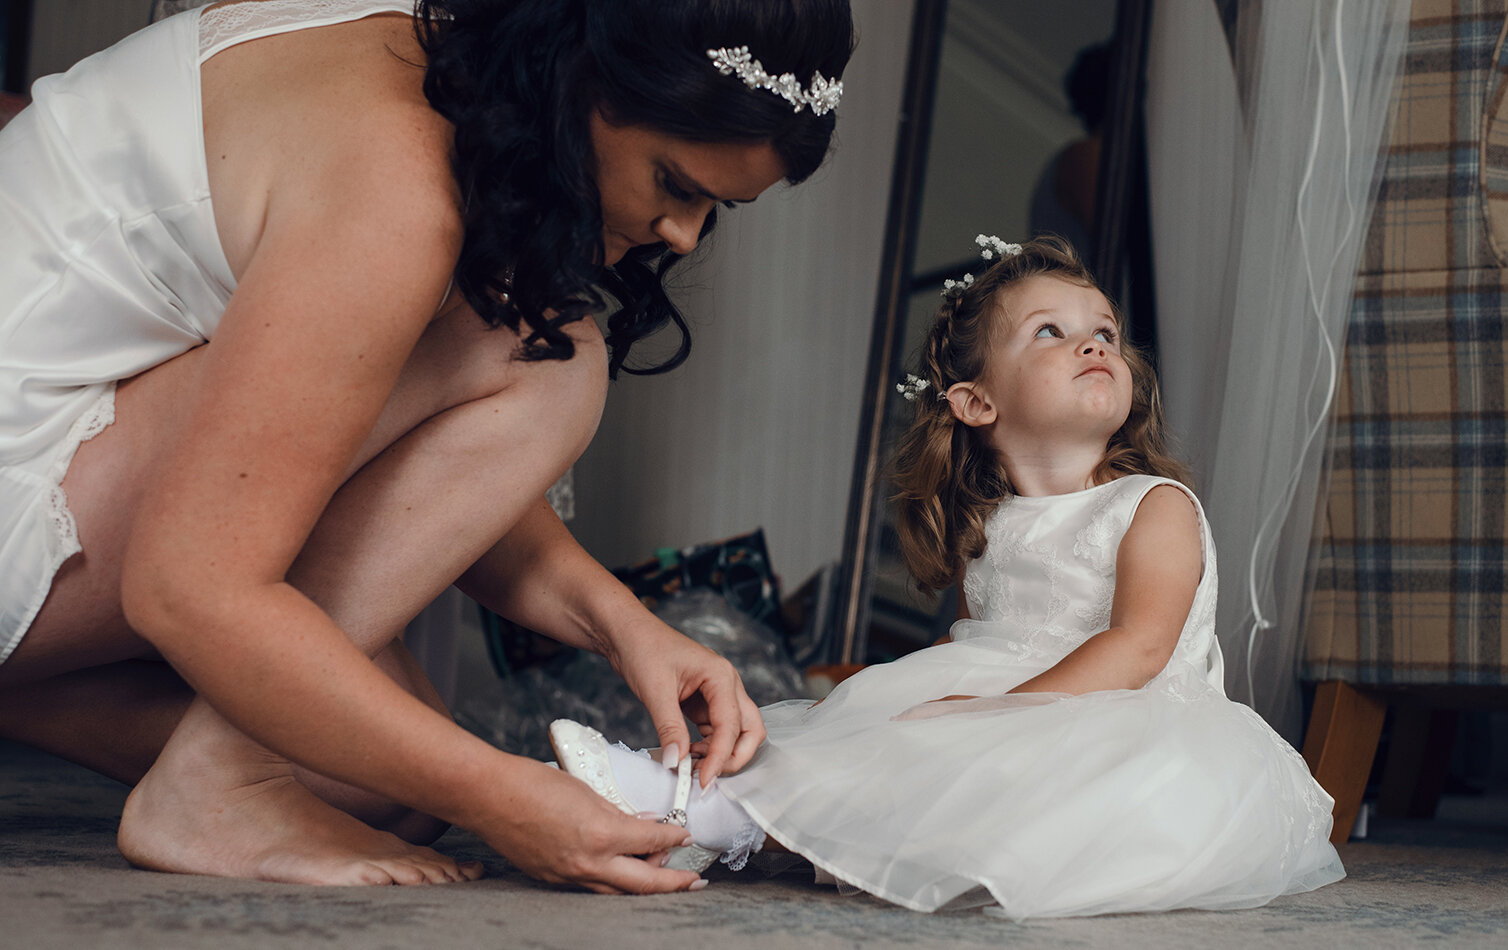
(146, 599)
(159, 598)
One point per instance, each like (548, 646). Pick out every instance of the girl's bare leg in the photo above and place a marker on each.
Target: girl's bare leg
(467, 441)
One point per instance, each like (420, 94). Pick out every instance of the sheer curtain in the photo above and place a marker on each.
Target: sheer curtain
(1263, 148)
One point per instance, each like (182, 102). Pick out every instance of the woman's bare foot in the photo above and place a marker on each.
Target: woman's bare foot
(194, 813)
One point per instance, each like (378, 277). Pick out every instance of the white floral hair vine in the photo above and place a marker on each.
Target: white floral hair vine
(991, 246)
(911, 387)
(953, 289)
(822, 98)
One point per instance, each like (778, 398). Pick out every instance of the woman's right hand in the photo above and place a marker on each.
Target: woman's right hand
(555, 828)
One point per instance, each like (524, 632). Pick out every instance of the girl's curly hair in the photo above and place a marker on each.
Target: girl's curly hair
(947, 476)
(519, 80)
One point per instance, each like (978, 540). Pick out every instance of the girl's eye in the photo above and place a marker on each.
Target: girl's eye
(676, 191)
(1107, 336)
(1047, 330)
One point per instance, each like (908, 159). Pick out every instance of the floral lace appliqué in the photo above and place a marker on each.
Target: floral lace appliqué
(995, 586)
(1097, 543)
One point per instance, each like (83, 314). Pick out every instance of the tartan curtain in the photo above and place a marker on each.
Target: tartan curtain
(1409, 586)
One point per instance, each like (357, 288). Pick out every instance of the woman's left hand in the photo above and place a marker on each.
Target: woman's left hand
(540, 577)
(677, 678)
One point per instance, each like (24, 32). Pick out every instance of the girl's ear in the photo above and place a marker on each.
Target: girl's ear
(970, 405)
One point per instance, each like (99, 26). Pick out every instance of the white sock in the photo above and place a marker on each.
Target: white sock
(713, 820)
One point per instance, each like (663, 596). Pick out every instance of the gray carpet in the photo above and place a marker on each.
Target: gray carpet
(62, 884)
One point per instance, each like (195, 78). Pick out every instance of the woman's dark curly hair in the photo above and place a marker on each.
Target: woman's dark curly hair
(519, 80)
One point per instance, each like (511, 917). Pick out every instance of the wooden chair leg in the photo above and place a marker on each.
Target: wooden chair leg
(1340, 745)
(1413, 777)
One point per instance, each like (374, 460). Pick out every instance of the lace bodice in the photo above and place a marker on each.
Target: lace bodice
(1047, 576)
(226, 25)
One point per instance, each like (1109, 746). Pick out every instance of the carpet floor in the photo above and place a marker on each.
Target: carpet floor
(1441, 883)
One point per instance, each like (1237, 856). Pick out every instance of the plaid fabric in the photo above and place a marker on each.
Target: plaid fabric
(1410, 581)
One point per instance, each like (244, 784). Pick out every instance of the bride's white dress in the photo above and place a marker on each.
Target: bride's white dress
(1124, 800)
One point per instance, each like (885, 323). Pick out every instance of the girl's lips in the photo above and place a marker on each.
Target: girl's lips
(1098, 369)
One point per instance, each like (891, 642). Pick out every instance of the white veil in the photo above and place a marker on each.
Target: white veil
(1262, 169)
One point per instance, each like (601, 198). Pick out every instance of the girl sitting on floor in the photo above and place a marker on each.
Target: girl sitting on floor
(1068, 748)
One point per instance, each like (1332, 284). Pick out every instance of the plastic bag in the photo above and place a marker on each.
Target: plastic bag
(515, 712)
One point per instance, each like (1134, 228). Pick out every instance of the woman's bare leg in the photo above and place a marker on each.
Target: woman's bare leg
(468, 439)
(116, 719)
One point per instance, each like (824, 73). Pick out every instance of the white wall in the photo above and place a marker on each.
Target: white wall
(759, 427)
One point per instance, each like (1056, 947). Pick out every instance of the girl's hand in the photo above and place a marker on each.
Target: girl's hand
(555, 828)
(677, 678)
(953, 705)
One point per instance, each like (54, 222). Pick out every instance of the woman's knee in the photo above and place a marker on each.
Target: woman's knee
(532, 429)
(461, 361)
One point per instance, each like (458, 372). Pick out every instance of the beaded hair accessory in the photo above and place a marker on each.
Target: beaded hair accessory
(822, 98)
(990, 247)
(913, 386)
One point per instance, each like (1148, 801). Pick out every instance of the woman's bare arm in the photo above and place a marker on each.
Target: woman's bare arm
(540, 577)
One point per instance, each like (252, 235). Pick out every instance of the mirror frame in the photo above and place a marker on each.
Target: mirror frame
(1120, 202)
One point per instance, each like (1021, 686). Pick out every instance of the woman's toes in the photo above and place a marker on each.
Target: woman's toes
(372, 875)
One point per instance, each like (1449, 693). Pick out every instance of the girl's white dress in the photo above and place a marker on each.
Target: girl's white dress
(1124, 800)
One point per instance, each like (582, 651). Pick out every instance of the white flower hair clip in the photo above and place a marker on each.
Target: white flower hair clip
(822, 98)
(991, 246)
(912, 387)
(953, 289)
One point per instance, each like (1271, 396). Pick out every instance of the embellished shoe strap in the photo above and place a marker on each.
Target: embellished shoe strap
(677, 813)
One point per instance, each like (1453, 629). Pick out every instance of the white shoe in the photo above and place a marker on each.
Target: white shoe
(582, 752)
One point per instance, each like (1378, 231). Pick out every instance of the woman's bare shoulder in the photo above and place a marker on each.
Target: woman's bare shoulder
(329, 122)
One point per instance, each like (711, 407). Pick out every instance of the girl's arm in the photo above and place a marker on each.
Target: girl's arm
(1157, 570)
(540, 577)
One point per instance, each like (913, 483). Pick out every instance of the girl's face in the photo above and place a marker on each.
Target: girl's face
(1055, 367)
(656, 187)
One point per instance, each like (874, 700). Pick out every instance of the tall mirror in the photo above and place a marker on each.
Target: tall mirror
(1019, 118)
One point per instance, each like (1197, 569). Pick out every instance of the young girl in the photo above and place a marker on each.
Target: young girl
(1067, 749)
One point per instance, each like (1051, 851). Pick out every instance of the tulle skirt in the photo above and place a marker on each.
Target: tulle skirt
(1170, 796)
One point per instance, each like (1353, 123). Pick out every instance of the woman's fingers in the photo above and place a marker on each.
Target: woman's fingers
(741, 742)
(747, 744)
(725, 716)
(557, 829)
(675, 677)
(625, 875)
(664, 709)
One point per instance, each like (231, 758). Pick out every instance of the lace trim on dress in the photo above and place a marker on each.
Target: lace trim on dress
(750, 840)
(94, 420)
(1098, 544)
(64, 528)
(225, 26)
